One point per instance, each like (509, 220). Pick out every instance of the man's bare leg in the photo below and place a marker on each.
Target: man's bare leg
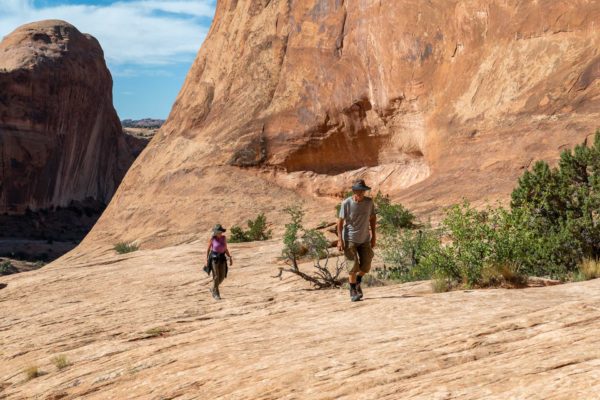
(352, 277)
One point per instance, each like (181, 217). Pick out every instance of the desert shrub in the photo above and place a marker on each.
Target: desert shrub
(565, 201)
(441, 282)
(6, 268)
(60, 361)
(125, 247)
(403, 252)
(257, 230)
(390, 216)
(552, 226)
(590, 268)
(32, 372)
(489, 248)
(299, 243)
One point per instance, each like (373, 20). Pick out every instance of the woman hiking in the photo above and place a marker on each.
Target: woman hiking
(216, 261)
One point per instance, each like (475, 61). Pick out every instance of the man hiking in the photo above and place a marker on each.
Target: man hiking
(216, 261)
(357, 215)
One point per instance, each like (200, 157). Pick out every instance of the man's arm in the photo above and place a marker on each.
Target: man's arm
(340, 230)
(373, 223)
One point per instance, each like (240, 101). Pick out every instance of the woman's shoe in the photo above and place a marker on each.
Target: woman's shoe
(215, 294)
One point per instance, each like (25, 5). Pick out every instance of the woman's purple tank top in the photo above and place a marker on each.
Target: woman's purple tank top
(219, 244)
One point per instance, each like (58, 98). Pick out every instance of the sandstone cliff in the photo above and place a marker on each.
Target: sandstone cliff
(60, 137)
(428, 101)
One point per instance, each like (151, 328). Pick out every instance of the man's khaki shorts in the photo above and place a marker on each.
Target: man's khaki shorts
(358, 257)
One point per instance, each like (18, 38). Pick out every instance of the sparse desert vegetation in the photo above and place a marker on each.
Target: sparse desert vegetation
(590, 268)
(126, 247)
(32, 372)
(552, 230)
(258, 229)
(308, 244)
(156, 332)
(61, 361)
(6, 268)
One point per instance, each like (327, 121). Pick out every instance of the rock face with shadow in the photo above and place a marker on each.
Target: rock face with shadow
(61, 139)
(61, 143)
(428, 101)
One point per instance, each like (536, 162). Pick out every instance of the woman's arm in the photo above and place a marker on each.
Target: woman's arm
(228, 254)
(209, 248)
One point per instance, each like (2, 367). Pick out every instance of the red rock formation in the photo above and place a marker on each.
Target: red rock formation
(60, 137)
(429, 101)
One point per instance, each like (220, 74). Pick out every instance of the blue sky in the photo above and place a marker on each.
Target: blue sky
(149, 45)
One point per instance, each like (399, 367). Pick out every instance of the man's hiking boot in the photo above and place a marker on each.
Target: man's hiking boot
(359, 292)
(354, 296)
(215, 294)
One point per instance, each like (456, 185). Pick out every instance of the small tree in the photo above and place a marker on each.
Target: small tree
(292, 245)
(312, 244)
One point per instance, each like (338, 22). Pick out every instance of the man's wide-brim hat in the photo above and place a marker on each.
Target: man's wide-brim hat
(360, 185)
(219, 228)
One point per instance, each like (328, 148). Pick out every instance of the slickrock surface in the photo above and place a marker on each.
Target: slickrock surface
(143, 326)
(60, 137)
(429, 101)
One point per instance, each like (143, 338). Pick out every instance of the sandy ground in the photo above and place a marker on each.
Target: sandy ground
(143, 326)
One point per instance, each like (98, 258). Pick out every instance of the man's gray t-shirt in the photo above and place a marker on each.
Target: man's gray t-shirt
(356, 215)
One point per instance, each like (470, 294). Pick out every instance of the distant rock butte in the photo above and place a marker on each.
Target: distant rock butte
(428, 101)
(60, 137)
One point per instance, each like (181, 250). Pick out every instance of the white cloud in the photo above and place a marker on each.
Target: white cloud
(152, 71)
(139, 32)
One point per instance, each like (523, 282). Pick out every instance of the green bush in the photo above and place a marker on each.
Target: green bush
(257, 230)
(564, 202)
(6, 268)
(237, 235)
(552, 226)
(124, 247)
(403, 252)
(402, 246)
(550, 229)
(485, 248)
(392, 217)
